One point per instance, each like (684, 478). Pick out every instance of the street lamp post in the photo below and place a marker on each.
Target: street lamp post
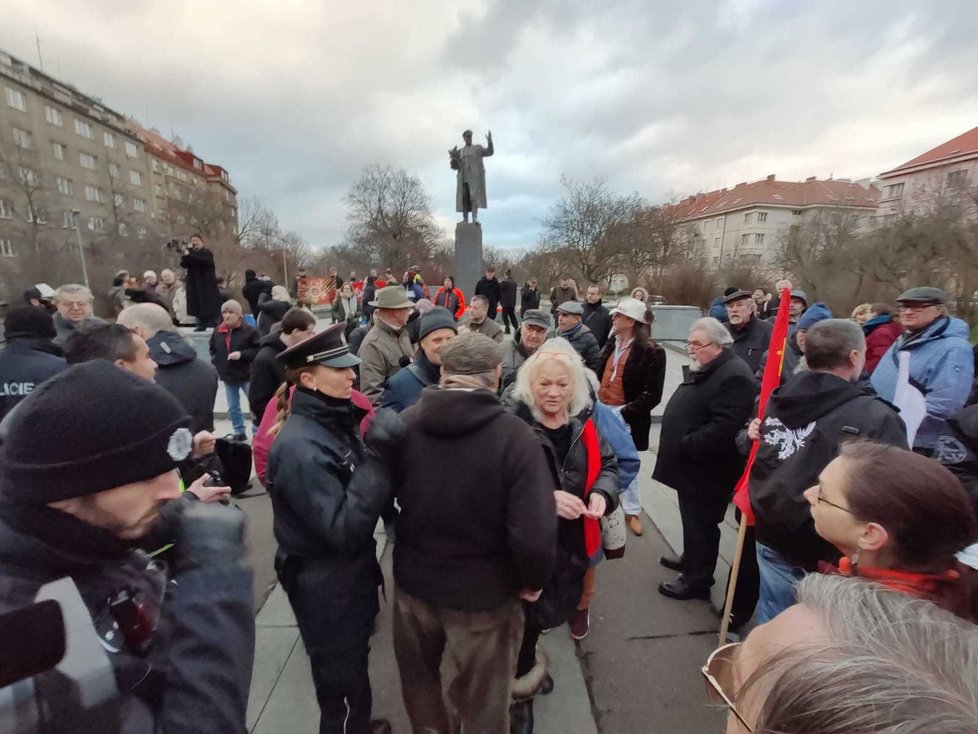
(81, 250)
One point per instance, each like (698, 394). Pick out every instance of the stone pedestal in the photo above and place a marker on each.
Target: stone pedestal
(468, 257)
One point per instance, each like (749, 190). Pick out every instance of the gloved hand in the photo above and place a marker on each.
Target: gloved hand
(208, 534)
(386, 433)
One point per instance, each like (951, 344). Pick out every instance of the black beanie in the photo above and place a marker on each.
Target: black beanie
(436, 318)
(90, 428)
(29, 321)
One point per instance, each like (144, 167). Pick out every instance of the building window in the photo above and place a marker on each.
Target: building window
(139, 205)
(6, 248)
(753, 258)
(956, 179)
(87, 161)
(118, 201)
(758, 239)
(155, 165)
(141, 232)
(109, 139)
(65, 186)
(69, 220)
(59, 151)
(29, 177)
(131, 150)
(893, 191)
(135, 178)
(96, 224)
(53, 116)
(761, 217)
(37, 214)
(91, 193)
(84, 129)
(158, 189)
(706, 225)
(716, 243)
(749, 217)
(744, 239)
(23, 139)
(6, 211)
(796, 212)
(16, 99)
(123, 229)
(113, 170)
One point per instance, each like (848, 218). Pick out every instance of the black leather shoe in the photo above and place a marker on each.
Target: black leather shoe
(521, 717)
(672, 562)
(681, 590)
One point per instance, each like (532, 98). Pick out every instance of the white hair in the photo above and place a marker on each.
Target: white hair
(149, 274)
(714, 330)
(72, 289)
(556, 349)
(149, 317)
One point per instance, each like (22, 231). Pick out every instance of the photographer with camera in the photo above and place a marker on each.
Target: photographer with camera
(203, 300)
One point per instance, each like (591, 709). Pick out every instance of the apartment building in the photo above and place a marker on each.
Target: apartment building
(748, 222)
(947, 170)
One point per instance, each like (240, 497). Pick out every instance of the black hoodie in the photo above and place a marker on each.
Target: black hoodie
(957, 449)
(487, 526)
(190, 380)
(267, 374)
(805, 422)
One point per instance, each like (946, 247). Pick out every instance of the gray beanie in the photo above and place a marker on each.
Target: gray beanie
(436, 318)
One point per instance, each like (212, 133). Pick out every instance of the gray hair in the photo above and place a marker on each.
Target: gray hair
(559, 349)
(149, 317)
(480, 299)
(470, 360)
(829, 343)
(72, 289)
(714, 330)
(892, 663)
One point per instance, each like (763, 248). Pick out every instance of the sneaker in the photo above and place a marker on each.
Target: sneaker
(242, 437)
(579, 623)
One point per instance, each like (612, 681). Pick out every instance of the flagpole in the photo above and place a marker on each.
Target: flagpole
(732, 583)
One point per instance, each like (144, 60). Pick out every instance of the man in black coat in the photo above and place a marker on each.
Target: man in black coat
(529, 296)
(267, 372)
(30, 356)
(253, 288)
(507, 299)
(805, 422)
(596, 317)
(489, 287)
(465, 557)
(698, 456)
(179, 370)
(751, 335)
(569, 327)
(203, 299)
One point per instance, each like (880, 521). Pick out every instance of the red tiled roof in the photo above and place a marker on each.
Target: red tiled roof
(964, 144)
(796, 194)
(163, 148)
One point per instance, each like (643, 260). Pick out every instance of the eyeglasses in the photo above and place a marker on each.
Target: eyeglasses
(718, 672)
(694, 347)
(821, 498)
(915, 306)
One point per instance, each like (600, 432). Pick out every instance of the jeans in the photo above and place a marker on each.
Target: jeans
(234, 406)
(778, 579)
(631, 504)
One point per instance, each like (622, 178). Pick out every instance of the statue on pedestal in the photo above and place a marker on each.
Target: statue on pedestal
(470, 190)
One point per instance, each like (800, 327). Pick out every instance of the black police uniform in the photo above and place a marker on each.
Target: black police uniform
(327, 495)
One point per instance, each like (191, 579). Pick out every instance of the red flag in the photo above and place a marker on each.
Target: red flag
(770, 380)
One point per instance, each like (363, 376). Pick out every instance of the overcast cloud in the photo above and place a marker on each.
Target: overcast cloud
(663, 98)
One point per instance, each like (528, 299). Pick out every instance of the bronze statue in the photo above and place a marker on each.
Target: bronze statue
(470, 191)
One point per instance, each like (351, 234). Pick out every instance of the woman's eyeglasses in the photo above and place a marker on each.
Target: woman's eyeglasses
(830, 503)
(718, 672)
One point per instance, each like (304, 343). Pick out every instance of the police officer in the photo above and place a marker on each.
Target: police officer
(327, 493)
(76, 504)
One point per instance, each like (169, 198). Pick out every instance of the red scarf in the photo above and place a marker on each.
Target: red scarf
(223, 328)
(592, 529)
(923, 585)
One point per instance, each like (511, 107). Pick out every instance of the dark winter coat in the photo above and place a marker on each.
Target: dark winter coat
(584, 343)
(243, 339)
(529, 298)
(598, 319)
(789, 364)
(369, 293)
(203, 300)
(252, 290)
(270, 312)
(697, 449)
(642, 380)
(751, 342)
(267, 374)
(560, 295)
(957, 449)
(491, 290)
(404, 389)
(514, 355)
(203, 627)
(718, 310)
(478, 521)
(327, 492)
(804, 424)
(25, 363)
(185, 376)
(64, 327)
(507, 293)
(880, 332)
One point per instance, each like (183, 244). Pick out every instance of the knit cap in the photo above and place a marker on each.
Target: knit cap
(90, 428)
(815, 313)
(437, 318)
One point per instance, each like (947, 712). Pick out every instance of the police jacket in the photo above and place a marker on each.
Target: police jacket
(805, 422)
(224, 341)
(751, 342)
(196, 674)
(25, 363)
(327, 493)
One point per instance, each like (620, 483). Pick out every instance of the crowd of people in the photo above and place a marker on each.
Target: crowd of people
(863, 515)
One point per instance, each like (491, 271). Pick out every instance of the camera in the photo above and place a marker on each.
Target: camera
(177, 244)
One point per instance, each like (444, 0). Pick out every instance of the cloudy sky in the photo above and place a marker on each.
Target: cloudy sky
(295, 97)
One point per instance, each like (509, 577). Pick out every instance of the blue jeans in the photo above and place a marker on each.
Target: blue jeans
(234, 406)
(778, 579)
(631, 504)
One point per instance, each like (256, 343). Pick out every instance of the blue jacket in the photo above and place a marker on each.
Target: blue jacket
(616, 432)
(941, 364)
(718, 310)
(403, 389)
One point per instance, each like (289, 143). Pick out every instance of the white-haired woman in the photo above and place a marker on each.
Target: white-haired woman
(271, 308)
(552, 394)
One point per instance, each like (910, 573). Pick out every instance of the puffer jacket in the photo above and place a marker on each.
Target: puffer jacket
(941, 365)
(224, 341)
(880, 332)
(584, 343)
(453, 300)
